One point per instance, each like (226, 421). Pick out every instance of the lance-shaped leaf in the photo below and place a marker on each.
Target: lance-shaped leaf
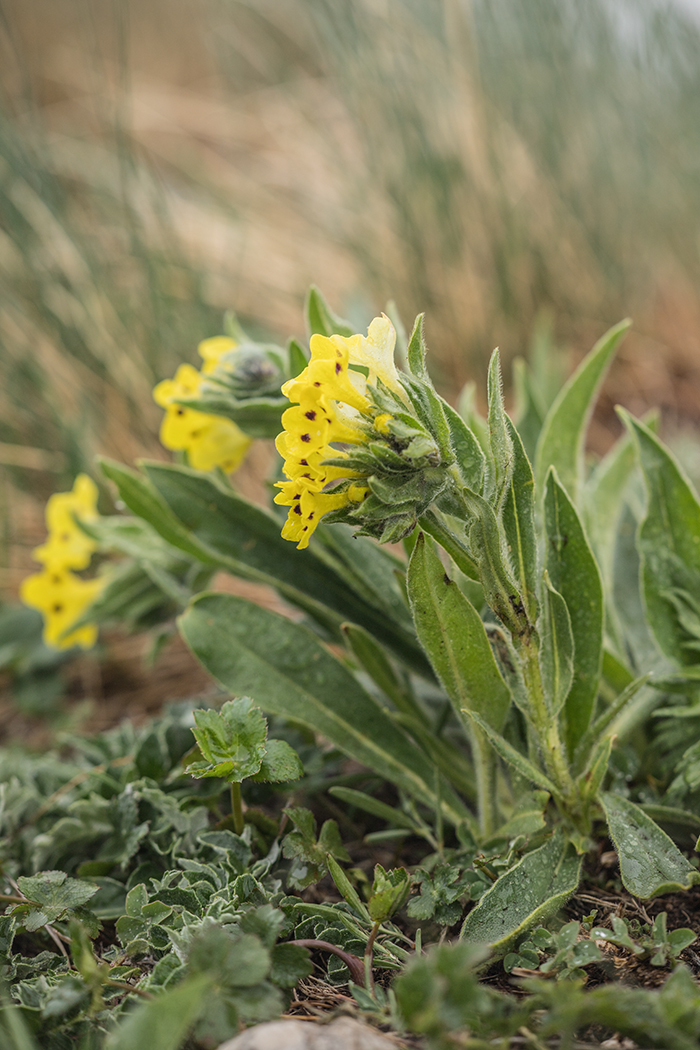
(196, 513)
(518, 516)
(563, 435)
(515, 758)
(574, 573)
(557, 648)
(650, 863)
(320, 319)
(499, 433)
(468, 453)
(284, 667)
(486, 541)
(453, 635)
(668, 542)
(525, 895)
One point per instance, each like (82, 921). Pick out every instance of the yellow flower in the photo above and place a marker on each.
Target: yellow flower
(376, 353)
(210, 441)
(62, 598)
(212, 350)
(67, 546)
(331, 402)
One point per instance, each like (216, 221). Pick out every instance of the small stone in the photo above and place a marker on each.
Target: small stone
(341, 1034)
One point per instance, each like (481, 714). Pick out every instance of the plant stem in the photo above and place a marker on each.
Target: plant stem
(485, 770)
(12, 900)
(237, 808)
(369, 952)
(546, 725)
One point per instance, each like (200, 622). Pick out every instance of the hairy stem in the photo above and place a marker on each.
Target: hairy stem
(237, 808)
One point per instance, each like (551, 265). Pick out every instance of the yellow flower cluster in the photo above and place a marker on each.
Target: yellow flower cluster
(209, 441)
(60, 595)
(319, 419)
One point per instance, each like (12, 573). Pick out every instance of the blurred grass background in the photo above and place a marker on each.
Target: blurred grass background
(520, 169)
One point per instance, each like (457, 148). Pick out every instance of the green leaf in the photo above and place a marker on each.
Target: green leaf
(310, 857)
(320, 319)
(290, 964)
(251, 650)
(602, 501)
(592, 779)
(453, 635)
(162, 1024)
(416, 350)
(232, 741)
(485, 538)
(468, 453)
(518, 516)
(557, 652)
(499, 434)
(376, 663)
(575, 575)
(650, 863)
(369, 804)
(389, 893)
(246, 540)
(232, 961)
(524, 896)
(515, 758)
(561, 442)
(345, 887)
(50, 895)
(280, 764)
(669, 542)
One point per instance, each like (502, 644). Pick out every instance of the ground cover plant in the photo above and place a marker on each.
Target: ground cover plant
(501, 638)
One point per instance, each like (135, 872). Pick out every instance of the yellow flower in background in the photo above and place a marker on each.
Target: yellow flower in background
(67, 545)
(62, 598)
(60, 595)
(212, 350)
(331, 408)
(209, 441)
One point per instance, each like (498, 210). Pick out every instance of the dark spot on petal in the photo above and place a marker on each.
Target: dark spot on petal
(297, 509)
(305, 529)
(338, 367)
(179, 411)
(310, 414)
(317, 384)
(65, 536)
(311, 516)
(303, 463)
(306, 437)
(58, 608)
(307, 476)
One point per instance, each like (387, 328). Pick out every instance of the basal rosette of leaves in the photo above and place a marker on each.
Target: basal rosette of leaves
(517, 671)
